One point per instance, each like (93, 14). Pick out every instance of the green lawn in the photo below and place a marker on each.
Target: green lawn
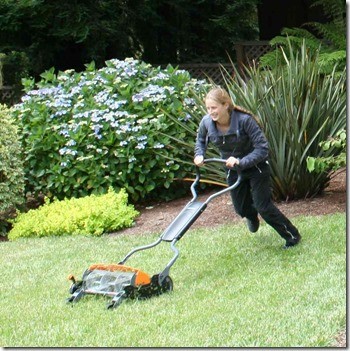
(231, 289)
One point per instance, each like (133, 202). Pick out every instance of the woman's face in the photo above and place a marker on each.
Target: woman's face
(217, 111)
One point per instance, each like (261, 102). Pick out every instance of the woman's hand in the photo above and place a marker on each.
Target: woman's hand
(198, 161)
(232, 161)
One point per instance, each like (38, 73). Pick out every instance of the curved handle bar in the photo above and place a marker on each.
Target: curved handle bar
(208, 160)
(196, 181)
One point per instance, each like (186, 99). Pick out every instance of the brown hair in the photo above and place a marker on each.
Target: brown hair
(221, 96)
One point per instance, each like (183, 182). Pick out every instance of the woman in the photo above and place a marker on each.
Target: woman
(244, 147)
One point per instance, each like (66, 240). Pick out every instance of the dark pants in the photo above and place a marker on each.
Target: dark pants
(254, 196)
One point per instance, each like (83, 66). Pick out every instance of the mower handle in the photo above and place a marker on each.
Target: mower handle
(214, 159)
(196, 181)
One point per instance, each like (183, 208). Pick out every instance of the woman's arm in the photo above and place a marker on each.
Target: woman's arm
(201, 140)
(259, 142)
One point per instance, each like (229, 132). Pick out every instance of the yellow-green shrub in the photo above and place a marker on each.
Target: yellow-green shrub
(90, 215)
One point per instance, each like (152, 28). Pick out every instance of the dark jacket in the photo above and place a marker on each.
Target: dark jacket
(244, 139)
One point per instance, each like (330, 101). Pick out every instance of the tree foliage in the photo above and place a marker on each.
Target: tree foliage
(329, 38)
(67, 34)
(61, 32)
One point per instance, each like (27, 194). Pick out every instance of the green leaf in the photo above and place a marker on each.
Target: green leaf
(310, 164)
(326, 145)
(142, 178)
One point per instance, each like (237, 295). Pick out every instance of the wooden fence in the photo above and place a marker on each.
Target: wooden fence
(212, 71)
(247, 53)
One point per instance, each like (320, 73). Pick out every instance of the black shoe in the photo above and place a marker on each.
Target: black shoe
(292, 242)
(253, 224)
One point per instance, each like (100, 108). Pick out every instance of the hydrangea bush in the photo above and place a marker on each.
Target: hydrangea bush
(84, 132)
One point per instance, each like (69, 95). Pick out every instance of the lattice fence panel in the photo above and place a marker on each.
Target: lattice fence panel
(250, 51)
(207, 71)
(246, 52)
(253, 52)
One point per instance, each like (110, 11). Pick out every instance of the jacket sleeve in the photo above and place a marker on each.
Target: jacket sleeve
(259, 142)
(201, 140)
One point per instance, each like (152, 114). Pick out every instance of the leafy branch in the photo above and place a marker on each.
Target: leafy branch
(333, 162)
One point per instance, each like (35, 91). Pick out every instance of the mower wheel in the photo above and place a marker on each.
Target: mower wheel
(75, 286)
(70, 299)
(117, 300)
(114, 304)
(167, 284)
